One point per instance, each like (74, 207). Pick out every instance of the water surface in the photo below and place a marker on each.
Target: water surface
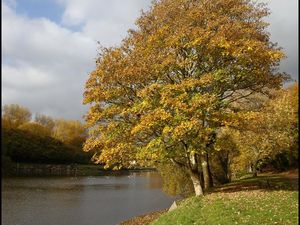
(101, 200)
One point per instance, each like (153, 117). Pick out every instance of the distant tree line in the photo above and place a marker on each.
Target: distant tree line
(42, 139)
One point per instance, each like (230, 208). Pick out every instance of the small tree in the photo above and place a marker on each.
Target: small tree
(271, 130)
(16, 115)
(45, 121)
(226, 150)
(36, 129)
(69, 131)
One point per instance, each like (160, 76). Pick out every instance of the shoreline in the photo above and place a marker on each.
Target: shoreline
(144, 219)
(37, 169)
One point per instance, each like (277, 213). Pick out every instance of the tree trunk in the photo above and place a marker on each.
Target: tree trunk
(228, 169)
(194, 173)
(250, 169)
(201, 178)
(254, 171)
(196, 183)
(205, 172)
(228, 176)
(211, 183)
(225, 163)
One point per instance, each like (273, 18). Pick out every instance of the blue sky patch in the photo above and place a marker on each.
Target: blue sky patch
(40, 8)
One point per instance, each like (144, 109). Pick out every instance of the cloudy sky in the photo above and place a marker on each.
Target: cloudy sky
(49, 47)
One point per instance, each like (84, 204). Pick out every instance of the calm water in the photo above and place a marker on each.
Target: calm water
(101, 200)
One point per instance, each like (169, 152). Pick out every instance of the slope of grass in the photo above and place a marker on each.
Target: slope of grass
(244, 207)
(262, 200)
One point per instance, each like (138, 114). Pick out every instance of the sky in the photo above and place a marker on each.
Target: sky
(49, 47)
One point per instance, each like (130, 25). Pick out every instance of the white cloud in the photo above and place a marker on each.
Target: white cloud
(35, 78)
(44, 64)
(42, 42)
(11, 3)
(102, 20)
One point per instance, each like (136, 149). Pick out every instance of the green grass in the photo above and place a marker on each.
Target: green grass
(276, 205)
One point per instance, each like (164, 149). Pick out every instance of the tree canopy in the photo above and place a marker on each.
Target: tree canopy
(15, 115)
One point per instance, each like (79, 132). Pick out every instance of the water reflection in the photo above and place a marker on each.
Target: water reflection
(80, 201)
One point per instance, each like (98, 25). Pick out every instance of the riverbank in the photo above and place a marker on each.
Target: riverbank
(267, 199)
(31, 169)
(144, 219)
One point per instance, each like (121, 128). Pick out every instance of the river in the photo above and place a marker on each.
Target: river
(97, 200)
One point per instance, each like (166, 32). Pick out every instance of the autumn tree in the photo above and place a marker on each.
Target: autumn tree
(70, 132)
(285, 120)
(35, 128)
(269, 131)
(15, 115)
(45, 121)
(166, 90)
(73, 134)
(226, 150)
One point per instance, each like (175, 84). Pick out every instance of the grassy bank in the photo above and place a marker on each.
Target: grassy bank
(245, 207)
(267, 199)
